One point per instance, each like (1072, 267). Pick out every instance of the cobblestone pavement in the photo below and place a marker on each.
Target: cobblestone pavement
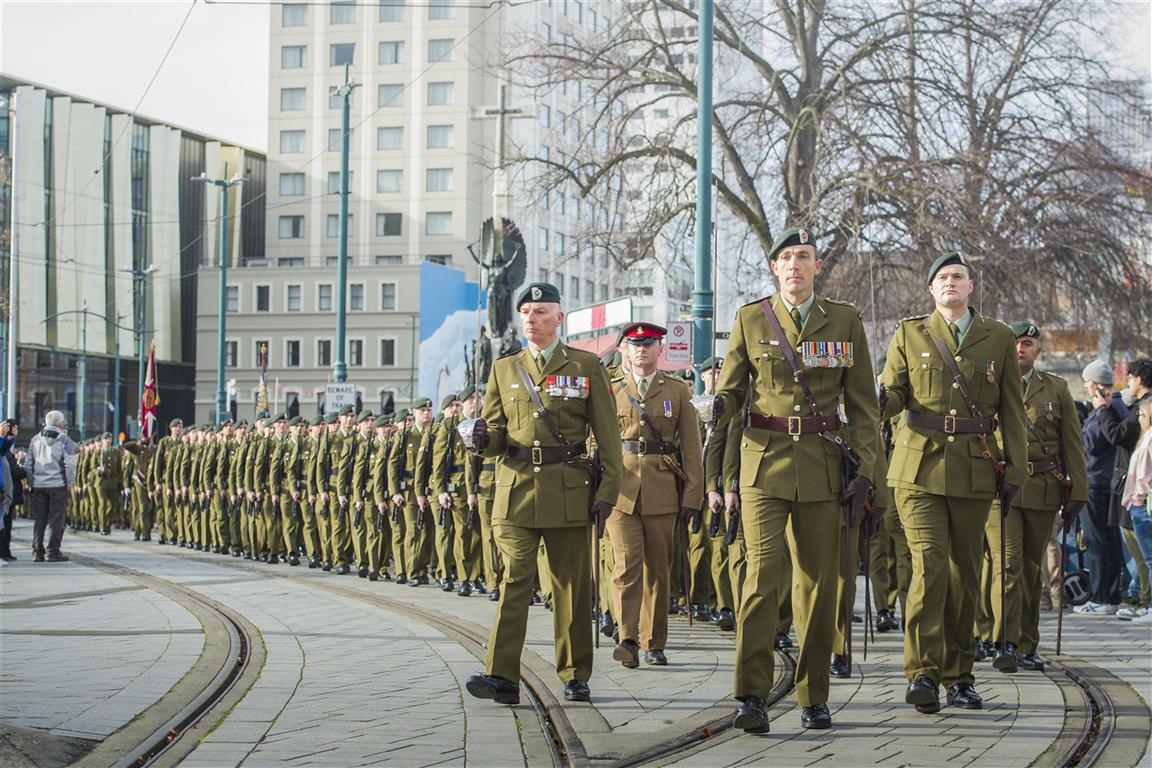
(351, 676)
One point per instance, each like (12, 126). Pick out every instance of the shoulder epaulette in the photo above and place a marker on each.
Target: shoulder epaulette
(757, 301)
(510, 354)
(913, 317)
(841, 303)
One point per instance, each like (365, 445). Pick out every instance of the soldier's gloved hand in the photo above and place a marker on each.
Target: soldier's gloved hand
(715, 501)
(600, 511)
(480, 436)
(1007, 493)
(882, 397)
(1069, 514)
(709, 407)
(856, 494)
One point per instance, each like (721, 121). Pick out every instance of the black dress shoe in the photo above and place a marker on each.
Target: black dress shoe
(422, 580)
(751, 716)
(134, 538)
(8, 557)
(701, 613)
(963, 695)
(783, 642)
(447, 585)
(839, 666)
(401, 578)
(327, 566)
(1004, 659)
(373, 576)
(536, 599)
(673, 607)
(293, 559)
(983, 651)
(386, 576)
(465, 588)
(655, 658)
(628, 654)
(313, 562)
(494, 595)
(886, 622)
(924, 695)
(479, 588)
(726, 620)
(343, 570)
(496, 688)
(1031, 663)
(816, 716)
(162, 540)
(414, 581)
(38, 557)
(577, 690)
(57, 558)
(607, 626)
(362, 572)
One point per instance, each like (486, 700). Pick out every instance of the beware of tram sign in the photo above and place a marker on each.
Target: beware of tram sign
(678, 343)
(336, 396)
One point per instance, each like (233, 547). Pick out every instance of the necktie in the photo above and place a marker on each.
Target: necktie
(540, 362)
(955, 330)
(796, 319)
(643, 388)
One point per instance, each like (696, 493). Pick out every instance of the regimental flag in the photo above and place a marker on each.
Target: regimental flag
(150, 398)
(262, 411)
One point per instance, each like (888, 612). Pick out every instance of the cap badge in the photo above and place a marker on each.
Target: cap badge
(536, 293)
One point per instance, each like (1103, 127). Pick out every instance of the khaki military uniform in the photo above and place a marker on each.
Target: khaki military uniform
(414, 536)
(549, 501)
(943, 485)
(382, 517)
(338, 485)
(448, 476)
(301, 468)
(436, 537)
(108, 483)
(285, 526)
(365, 533)
(480, 477)
(643, 520)
(792, 482)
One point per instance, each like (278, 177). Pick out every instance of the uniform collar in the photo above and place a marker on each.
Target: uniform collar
(805, 307)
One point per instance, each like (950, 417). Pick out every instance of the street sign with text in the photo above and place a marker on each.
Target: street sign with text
(678, 343)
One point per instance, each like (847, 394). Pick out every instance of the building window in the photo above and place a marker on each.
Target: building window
(603, 291)
(439, 179)
(261, 353)
(324, 297)
(545, 116)
(440, 94)
(323, 353)
(340, 54)
(392, 52)
(336, 137)
(387, 225)
(290, 261)
(331, 261)
(292, 56)
(389, 138)
(543, 275)
(355, 352)
(332, 225)
(232, 299)
(263, 298)
(343, 12)
(334, 181)
(390, 95)
(438, 223)
(440, 49)
(547, 28)
(356, 297)
(335, 100)
(292, 353)
(389, 260)
(291, 141)
(443, 259)
(293, 300)
(387, 352)
(291, 184)
(292, 99)
(389, 181)
(439, 137)
(392, 10)
(230, 351)
(558, 281)
(441, 9)
(294, 15)
(575, 287)
(387, 297)
(291, 227)
(558, 241)
(542, 240)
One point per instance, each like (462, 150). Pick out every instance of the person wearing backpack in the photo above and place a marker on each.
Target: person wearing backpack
(51, 467)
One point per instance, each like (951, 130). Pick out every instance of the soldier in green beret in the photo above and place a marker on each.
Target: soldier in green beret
(419, 536)
(336, 488)
(360, 532)
(540, 404)
(109, 483)
(480, 476)
(377, 503)
(954, 376)
(450, 487)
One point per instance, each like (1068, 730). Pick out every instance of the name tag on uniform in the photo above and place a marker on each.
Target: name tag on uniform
(826, 354)
(567, 387)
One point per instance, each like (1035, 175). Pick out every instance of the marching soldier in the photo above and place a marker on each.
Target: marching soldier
(336, 487)
(891, 563)
(380, 532)
(481, 477)
(798, 355)
(954, 375)
(398, 482)
(1057, 482)
(108, 483)
(255, 467)
(143, 509)
(657, 424)
(407, 493)
(323, 471)
(450, 488)
(362, 534)
(238, 490)
(158, 479)
(426, 461)
(302, 479)
(539, 406)
(285, 488)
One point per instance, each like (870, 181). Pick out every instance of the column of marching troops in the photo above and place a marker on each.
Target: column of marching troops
(743, 509)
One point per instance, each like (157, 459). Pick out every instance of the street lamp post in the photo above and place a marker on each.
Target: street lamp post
(702, 294)
(339, 368)
(224, 184)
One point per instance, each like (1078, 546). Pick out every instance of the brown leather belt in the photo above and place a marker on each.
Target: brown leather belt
(795, 425)
(1046, 464)
(641, 447)
(552, 454)
(456, 468)
(487, 467)
(952, 425)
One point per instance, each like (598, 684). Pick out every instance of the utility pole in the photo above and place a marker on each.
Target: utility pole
(224, 184)
(140, 280)
(702, 294)
(13, 264)
(339, 368)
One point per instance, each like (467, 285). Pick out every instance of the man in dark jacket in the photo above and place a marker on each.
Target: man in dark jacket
(51, 468)
(16, 475)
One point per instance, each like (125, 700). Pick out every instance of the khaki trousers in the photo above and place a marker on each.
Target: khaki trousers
(641, 553)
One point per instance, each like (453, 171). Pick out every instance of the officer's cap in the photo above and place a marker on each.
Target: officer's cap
(643, 333)
(466, 393)
(365, 416)
(383, 420)
(946, 259)
(175, 423)
(346, 410)
(712, 362)
(789, 238)
(294, 421)
(402, 414)
(331, 418)
(448, 400)
(421, 402)
(1025, 328)
(316, 421)
(539, 293)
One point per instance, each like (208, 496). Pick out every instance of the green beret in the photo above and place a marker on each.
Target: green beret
(331, 418)
(402, 414)
(295, 420)
(422, 402)
(1025, 328)
(539, 293)
(383, 420)
(466, 393)
(365, 416)
(945, 259)
(346, 410)
(316, 421)
(447, 401)
(227, 420)
(789, 238)
(280, 417)
(712, 362)
(106, 436)
(243, 423)
(175, 423)
(687, 374)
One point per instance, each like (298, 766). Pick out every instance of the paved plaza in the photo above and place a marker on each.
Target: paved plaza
(344, 672)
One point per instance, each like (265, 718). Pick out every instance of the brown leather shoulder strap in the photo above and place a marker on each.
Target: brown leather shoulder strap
(790, 356)
(957, 376)
(544, 416)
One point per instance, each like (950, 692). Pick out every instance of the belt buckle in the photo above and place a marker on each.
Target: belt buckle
(949, 425)
(1030, 469)
(537, 455)
(641, 446)
(794, 420)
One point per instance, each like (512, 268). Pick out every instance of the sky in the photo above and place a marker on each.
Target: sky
(215, 79)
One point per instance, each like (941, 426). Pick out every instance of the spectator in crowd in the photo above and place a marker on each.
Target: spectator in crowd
(1103, 549)
(1134, 498)
(1124, 434)
(12, 479)
(51, 467)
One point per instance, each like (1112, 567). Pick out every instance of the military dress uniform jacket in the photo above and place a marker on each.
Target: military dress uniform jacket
(671, 419)
(803, 467)
(550, 495)
(917, 379)
(449, 458)
(402, 459)
(108, 470)
(1048, 405)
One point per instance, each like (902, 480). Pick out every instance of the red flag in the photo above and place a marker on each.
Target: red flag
(150, 399)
